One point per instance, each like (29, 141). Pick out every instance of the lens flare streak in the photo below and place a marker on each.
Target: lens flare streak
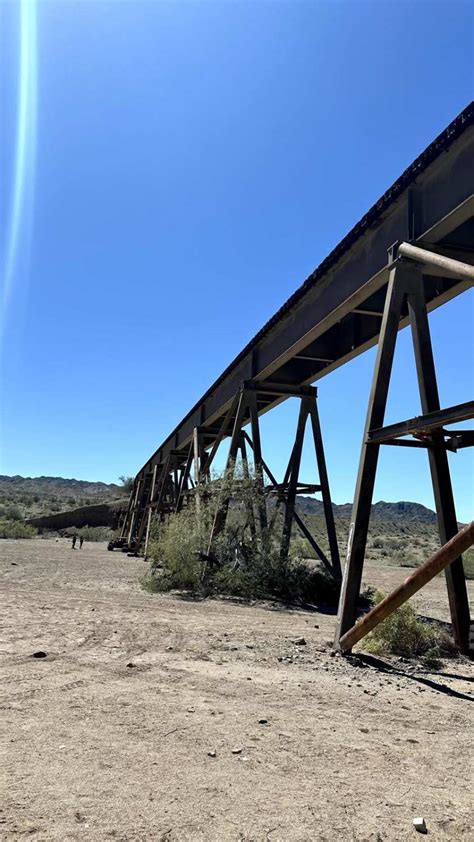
(19, 225)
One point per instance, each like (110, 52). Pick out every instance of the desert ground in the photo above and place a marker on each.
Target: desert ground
(158, 718)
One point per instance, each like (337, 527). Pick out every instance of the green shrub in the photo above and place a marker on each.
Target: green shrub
(468, 563)
(405, 634)
(244, 562)
(13, 513)
(15, 529)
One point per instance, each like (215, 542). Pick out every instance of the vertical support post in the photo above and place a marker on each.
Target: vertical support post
(246, 473)
(221, 513)
(438, 460)
(295, 460)
(127, 514)
(150, 510)
(197, 468)
(352, 576)
(325, 492)
(257, 451)
(134, 512)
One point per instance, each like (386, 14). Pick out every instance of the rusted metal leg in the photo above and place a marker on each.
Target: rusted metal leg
(150, 510)
(293, 480)
(325, 492)
(352, 576)
(257, 452)
(246, 475)
(439, 466)
(223, 506)
(435, 564)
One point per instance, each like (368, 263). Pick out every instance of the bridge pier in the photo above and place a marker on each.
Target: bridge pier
(405, 293)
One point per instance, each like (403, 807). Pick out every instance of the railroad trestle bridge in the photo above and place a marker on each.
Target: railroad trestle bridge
(411, 253)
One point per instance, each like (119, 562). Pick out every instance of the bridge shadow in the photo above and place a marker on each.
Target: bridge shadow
(361, 658)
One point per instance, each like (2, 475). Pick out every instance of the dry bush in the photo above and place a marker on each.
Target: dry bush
(405, 634)
(15, 529)
(244, 562)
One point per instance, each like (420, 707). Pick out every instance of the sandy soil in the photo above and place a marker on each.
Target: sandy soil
(111, 735)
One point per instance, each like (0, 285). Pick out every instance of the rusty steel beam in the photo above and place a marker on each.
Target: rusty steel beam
(454, 268)
(446, 554)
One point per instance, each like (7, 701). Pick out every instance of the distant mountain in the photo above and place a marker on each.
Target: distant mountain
(403, 510)
(37, 496)
(31, 497)
(47, 486)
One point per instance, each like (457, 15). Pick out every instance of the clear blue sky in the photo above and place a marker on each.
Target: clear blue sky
(170, 153)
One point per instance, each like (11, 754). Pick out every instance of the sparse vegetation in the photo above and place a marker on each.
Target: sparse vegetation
(243, 562)
(16, 529)
(405, 634)
(25, 497)
(95, 533)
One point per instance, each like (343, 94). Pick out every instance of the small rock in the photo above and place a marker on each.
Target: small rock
(332, 653)
(169, 648)
(191, 710)
(211, 754)
(316, 626)
(250, 646)
(39, 654)
(14, 564)
(420, 825)
(364, 730)
(237, 751)
(130, 664)
(300, 642)
(263, 721)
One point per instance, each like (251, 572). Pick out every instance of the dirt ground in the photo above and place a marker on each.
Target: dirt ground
(155, 718)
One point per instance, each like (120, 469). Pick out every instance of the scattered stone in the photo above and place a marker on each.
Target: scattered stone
(316, 626)
(300, 642)
(211, 754)
(237, 750)
(14, 564)
(420, 825)
(364, 730)
(169, 648)
(263, 721)
(130, 664)
(250, 646)
(39, 654)
(191, 710)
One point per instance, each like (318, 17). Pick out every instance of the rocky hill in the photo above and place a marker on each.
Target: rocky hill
(403, 510)
(27, 497)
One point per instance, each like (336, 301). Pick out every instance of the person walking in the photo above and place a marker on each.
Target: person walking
(74, 539)
(81, 541)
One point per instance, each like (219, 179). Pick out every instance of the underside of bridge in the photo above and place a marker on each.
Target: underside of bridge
(411, 253)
